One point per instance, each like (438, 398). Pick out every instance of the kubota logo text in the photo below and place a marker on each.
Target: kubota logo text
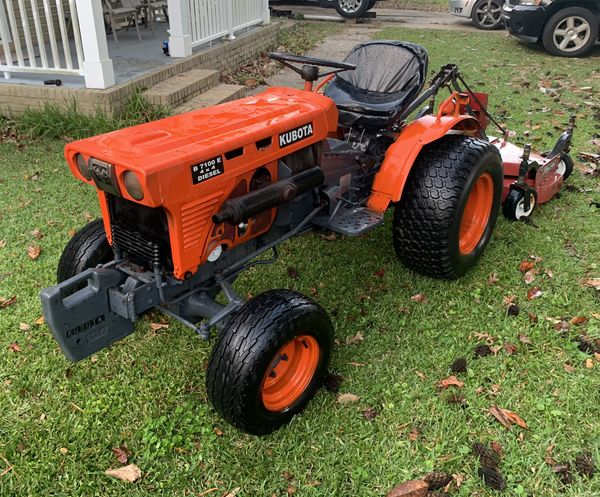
(295, 135)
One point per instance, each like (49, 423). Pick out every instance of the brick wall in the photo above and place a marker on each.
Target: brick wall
(226, 57)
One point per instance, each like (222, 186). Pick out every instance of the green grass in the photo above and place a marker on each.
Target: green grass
(438, 5)
(148, 391)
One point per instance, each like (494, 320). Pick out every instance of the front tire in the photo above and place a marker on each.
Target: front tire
(88, 248)
(352, 8)
(269, 361)
(571, 32)
(487, 14)
(449, 207)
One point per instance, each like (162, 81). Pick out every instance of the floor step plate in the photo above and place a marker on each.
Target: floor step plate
(352, 221)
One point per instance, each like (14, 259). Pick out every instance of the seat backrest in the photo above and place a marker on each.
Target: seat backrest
(387, 66)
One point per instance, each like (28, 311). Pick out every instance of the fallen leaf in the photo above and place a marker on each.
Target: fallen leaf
(88, 216)
(332, 382)
(347, 398)
(158, 326)
(6, 302)
(593, 282)
(534, 292)
(34, 251)
(450, 381)
(380, 273)
(418, 297)
(293, 273)
(484, 336)
(509, 299)
(64, 451)
(287, 475)
(493, 278)
(122, 453)
(589, 364)
(2, 243)
(413, 488)
(351, 340)
(128, 473)
(524, 339)
(414, 434)
(420, 374)
(549, 273)
(37, 233)
(39, 321)
(548, 459)
(14, 347)
(568, 368)
(496, 447)
(356, 364)
(529, 276)
(526, 266)
(506, 417)
(217, 431)
(370, 414)
(234, 492)
(578, 320)
(24, 327)
(510, 348)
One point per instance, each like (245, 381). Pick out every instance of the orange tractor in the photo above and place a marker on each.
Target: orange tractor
(190, 201)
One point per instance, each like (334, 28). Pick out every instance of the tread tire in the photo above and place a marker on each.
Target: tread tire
(427, 218)
(88, 248)
(359, 12)
(476, 22)
(246, 348)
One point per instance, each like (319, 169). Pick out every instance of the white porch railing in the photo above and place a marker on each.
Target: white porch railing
(45, 37)
(197, 22)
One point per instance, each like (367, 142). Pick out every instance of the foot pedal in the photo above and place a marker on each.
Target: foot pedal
(352, 221)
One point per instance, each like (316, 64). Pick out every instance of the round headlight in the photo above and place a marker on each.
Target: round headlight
(83, 167)
(133, 185)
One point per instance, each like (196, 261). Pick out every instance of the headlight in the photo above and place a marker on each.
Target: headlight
(133, 185)
(83, 167)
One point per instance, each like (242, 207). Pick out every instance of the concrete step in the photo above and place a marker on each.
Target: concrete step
(217, 95)
(180, 87)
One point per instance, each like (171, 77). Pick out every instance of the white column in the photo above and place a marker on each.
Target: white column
(180, 30)
(266, 12)
(97, 67)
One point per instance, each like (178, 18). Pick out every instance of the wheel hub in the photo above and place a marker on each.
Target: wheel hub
(571, 34)
(476, 214)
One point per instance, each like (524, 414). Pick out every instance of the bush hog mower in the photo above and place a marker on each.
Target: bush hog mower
(191, 201)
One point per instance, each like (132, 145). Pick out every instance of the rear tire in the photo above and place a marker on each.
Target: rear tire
(269, 361)
(352, 8)
(449, 207)
(577, 20)
(88, 248)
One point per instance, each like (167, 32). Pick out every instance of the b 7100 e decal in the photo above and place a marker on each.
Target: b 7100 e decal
(295, 135)
(207, 169)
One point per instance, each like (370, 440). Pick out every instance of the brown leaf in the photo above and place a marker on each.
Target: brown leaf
(506, 417)
(2, 243)
(287, 475)
(526, 266)
(414, 434)
(493, 279)
(347, 398)
(34, 251)
(450, 381)
(524, 339)
(37, 233)
(293, 273)
(6, 302)
(88, 216)
(534, 292)
(414, 488)
(568, 367)
(484, 336)
(380, 273)
(24, 327)
(128, 473)
(234, 492)
(593, 282)
(39, 321)
(14, 347)
(418, 297)
(510, 348)
(496, 447)
(578, 320)
(122, 453)
(589, 363)
(420, 374)
(351, 340)
(529, 276)
(548, 459)
(217, 431)
(158, 326)
(370, 414)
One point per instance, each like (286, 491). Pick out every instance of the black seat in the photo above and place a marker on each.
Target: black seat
(388, 77)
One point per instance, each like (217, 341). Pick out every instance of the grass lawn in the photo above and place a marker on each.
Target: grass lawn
(438, 5)
(59, 421)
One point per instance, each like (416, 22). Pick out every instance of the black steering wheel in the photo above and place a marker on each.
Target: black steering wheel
(310, 65)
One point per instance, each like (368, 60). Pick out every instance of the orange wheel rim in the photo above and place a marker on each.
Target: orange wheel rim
(476, 214)
(290, 372)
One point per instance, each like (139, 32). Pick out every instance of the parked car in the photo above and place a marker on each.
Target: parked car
(568, 28)
(348, 8)
(485, 14)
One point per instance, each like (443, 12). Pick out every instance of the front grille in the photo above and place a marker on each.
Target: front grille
(140, 232)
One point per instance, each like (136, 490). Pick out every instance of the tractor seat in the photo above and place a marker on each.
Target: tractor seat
(388, 77)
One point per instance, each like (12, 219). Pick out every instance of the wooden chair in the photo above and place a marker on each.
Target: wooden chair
(117, 12)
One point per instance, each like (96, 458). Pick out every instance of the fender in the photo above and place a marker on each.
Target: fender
(400, 157)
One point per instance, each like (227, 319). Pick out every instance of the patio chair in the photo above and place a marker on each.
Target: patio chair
(117, 12)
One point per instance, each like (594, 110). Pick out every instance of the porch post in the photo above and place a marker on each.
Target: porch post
(97, 67)
(180, 30)
(266, 13)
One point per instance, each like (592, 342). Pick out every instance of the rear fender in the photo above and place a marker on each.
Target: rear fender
(401, 155)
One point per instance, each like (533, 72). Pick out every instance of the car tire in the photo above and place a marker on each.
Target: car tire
(487, 14)
(269, 361)
(448, 210)
(88, 248)
(576, 21)
(352, 8)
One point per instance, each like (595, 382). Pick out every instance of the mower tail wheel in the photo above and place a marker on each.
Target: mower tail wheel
(449, 207)
(514, 205)
(269, 361)
(88, 248)
(565, 166)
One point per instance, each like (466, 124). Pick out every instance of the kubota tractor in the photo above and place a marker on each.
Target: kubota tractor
(190, 201)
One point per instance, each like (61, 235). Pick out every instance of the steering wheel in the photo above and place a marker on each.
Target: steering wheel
(310, 65)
